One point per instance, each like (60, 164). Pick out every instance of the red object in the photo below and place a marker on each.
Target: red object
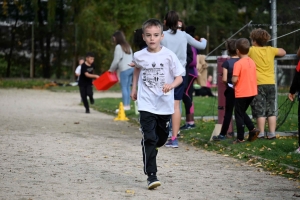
(106, 80)
(221, 90)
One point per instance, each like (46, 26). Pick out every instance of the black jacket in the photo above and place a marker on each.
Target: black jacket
(295, 86)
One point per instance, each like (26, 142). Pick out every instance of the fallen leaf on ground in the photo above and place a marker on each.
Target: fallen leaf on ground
(290, 172)
(129, 191)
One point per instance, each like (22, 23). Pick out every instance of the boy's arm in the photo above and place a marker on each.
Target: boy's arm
(235, 73)
(224, 75)
(177, 81)
(294, 86)
(234, 80)
(281, 52)
(136, 74)
(91, 75)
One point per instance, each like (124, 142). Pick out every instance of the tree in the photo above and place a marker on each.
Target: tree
(66, 29)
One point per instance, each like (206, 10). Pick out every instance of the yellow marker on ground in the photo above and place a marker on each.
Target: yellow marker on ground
(121, 114)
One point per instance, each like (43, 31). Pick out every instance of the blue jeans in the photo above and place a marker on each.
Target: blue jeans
(125, 81)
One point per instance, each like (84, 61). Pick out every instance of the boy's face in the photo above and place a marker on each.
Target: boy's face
(89, 60)
(81, 61)
(152, 36)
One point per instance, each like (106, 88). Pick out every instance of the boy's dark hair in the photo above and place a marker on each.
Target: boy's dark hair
(260, 36)
(90, 54)
(152, 22)
(230, 46)
(171, 19)
(243, 45)
(138, 39)
(190, 30)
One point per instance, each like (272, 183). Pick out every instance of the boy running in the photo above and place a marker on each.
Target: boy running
(157, 72)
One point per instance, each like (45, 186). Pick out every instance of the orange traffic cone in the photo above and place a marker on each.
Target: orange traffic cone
(121, 114)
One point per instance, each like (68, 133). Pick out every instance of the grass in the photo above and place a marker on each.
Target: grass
(24, 83)
(59, 86)
(272, 155)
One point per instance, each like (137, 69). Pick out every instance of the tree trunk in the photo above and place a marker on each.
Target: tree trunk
(43, 32)
(12, 42)
(46, 61)
(60, 38)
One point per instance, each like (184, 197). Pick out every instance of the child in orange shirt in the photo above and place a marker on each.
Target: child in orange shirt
(245, 88)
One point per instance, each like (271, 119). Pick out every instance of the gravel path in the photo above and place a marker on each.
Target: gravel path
(51, 149)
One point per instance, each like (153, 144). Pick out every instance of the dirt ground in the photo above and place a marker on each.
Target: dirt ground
(51, 149)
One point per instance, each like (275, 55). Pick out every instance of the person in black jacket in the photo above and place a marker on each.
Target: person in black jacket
(295, 87)
(86, 81)
(191, 76)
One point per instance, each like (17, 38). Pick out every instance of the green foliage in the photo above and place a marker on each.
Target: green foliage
(64, 30)
(99, 20)
(23, 83)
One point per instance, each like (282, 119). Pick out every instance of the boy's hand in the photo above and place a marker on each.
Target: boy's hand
(131, 64)
(96, 76)
(291, 96)
(133, 95)
(167, 88)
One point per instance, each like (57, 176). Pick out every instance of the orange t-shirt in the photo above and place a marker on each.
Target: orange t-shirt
(246, 85)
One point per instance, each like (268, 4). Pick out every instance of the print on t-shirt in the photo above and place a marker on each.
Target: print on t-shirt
(89, 70)
(154, 77)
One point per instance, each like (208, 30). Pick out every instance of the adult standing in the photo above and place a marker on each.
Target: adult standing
(263, 105)
(122, 57)
(177, 40)
(191, 76)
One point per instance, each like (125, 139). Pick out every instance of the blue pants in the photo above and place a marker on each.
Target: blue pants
(125, 81)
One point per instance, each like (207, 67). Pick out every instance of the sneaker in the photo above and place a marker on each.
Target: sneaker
(253, 135)
(153, 182)
(230, 135)
(87, 111)
(187, 127)
(237, 141)
(219, 137)
(172, 143)
(297, 150)
(261, 136)
(271, 136)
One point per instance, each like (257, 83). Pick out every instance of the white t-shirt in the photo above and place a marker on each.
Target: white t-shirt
(78, 71)
(157, 69)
